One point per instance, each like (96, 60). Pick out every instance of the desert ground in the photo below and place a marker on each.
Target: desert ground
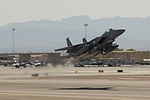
(75, 83)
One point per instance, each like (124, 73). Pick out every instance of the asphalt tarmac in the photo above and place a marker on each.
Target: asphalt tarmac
(69, 83)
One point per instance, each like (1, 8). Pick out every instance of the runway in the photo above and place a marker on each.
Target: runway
(75, 83)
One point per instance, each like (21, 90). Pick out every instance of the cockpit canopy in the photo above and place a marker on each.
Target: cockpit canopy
(109, 30)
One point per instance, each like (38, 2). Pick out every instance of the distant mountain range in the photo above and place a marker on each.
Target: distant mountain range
(47, 35)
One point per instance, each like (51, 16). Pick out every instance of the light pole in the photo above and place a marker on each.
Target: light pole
(13, 29)
(85, 29)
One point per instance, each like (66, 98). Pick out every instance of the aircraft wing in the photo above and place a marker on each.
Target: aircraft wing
(101, 40)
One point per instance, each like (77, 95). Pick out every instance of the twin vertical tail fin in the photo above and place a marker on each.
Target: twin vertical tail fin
(84, 40)
(68, 42)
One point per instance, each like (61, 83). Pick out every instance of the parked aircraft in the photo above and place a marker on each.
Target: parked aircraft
(103, 44)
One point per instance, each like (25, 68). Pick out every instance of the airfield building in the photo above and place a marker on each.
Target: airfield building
(119, 57)
(128, 57)
(53, 58)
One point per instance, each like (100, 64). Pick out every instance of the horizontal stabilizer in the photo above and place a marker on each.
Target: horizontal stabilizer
(63, 49)
(69, 47)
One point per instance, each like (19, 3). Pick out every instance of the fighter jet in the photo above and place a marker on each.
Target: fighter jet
(103, 44)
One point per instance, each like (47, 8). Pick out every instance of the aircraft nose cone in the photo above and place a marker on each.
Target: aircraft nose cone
(118, 33)
(121, 31)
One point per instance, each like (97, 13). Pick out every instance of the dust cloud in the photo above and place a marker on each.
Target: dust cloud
(48, 70)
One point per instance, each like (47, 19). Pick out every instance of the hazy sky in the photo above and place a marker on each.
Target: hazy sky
(26, 10)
